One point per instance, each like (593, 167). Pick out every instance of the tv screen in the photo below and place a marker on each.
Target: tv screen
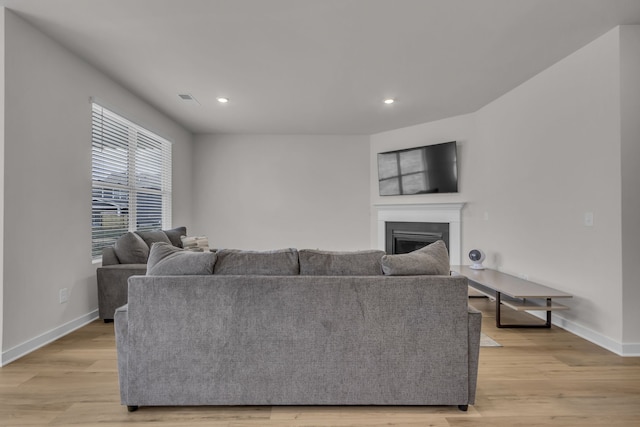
(420, 170)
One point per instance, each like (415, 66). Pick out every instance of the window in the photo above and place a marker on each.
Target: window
(131, 179)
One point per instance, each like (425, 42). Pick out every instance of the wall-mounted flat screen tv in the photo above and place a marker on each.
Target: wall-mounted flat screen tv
(420, 170)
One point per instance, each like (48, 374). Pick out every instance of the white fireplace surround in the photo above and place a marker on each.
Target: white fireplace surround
(450, 213)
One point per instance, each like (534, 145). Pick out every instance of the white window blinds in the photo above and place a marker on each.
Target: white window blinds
(131, 179)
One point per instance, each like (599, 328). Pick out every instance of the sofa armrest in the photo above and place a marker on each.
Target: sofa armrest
(474, 325)
(121, 320)
(109, 256)
(113, 286)
(474, 311)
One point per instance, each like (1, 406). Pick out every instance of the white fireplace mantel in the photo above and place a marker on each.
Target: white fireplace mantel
(450, 213)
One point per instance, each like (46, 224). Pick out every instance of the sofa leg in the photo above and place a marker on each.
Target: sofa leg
(463, 408)
(132, 408)
(108, 320)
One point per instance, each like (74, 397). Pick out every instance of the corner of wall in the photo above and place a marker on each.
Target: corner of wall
(2, 26)
(630, 176)
(527, 178)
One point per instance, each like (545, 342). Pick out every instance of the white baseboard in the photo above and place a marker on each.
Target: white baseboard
(621, 349)
(46, 338)
(631, 349)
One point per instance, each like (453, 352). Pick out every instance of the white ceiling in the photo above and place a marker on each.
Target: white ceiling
(322, 66)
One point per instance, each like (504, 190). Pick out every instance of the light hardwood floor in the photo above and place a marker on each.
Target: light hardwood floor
(538, 378)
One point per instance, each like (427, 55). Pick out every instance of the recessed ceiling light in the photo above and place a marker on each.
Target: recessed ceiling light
(389, 101)
(223, 100)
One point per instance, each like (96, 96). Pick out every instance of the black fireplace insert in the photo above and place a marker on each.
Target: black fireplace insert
(405, 237)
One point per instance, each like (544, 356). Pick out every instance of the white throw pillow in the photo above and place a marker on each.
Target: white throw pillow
(195, 243)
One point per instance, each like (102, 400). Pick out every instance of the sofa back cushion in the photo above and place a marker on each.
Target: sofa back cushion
(168, 260)
(109, 256)
(432, 259)
(153, 236)
(175, 235)
(331, 263)
(282, 262)
(131, 249)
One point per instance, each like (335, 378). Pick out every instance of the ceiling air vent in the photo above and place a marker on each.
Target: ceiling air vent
(188, 98)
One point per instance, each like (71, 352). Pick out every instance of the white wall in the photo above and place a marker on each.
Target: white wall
(555, 148)
(630, 124)
(2, 26)
(274, 191)
(48, 182)
(534, 161)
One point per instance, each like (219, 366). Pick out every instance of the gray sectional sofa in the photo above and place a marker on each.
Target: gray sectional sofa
(126, 258)
(295, 327)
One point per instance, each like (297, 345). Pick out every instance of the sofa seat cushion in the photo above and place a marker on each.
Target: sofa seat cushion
(168, 260)
(131, 249)
(126, 267)
(331, 263)
(433, 259)
(281, 262)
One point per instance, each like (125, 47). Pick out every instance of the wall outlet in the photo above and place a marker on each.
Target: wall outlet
(588, 219)
(64, 295)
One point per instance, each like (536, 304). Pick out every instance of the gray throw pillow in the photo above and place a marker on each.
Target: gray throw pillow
(153, 236)
(167, 260)
(432, 260)
(175, 234)
(281, 262)
(131, 249)
(331, 263)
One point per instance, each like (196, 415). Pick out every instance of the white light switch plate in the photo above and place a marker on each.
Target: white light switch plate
(588, 219)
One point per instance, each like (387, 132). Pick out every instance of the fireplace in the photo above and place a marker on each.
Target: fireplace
(448, 214)
(405, 237)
